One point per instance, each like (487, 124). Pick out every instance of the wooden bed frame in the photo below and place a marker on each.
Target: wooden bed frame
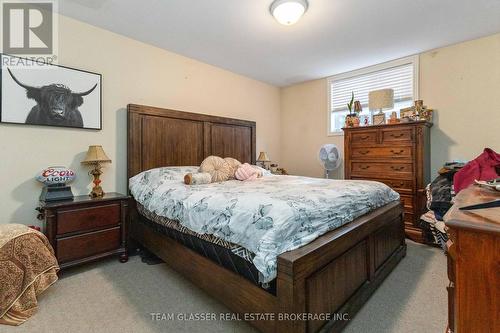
(322, 284)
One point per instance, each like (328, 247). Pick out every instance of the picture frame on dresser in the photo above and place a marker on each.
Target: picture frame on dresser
(397, 155)
(379, 119)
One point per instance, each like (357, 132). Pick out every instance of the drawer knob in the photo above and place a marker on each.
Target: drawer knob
(396, 136)
(364, 167)
(399, 152)
(397, 168)
(364, 137)
(364, 152)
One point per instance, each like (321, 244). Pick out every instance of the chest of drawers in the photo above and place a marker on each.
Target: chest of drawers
(473, 252)
(397, 155)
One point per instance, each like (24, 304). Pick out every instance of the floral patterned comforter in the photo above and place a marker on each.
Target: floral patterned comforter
(268, 216)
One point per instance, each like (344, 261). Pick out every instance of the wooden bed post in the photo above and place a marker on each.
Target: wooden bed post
(291, 299)
(132, 244)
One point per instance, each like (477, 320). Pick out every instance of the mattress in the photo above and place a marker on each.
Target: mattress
(267, 216)
(230, 256)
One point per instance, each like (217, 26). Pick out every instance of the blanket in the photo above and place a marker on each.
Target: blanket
(27, 268)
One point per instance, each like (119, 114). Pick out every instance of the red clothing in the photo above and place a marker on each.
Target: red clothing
(481, 168)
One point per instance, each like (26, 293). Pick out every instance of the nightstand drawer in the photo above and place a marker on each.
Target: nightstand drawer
(88, 218)
(81, 246)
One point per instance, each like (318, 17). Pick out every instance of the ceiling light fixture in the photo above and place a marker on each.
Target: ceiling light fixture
(288, 12)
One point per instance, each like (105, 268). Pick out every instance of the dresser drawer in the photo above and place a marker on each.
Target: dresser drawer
(382, 170)
(364, 137)
(85, 245)
(396, 135)
(381, 152)
(407, 201)
(397, 184)
(81, 219)
(409, 220)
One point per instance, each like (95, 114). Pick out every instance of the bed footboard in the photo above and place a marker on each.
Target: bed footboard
(324, 283)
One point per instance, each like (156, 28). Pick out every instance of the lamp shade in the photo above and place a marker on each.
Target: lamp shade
(96, 154)
(381, 99)
(263, 157)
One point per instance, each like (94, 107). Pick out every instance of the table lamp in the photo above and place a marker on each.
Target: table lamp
(263, 158)
(96, 157)
(380, 99)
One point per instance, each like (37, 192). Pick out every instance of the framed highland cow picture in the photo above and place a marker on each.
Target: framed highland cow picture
(35, 93)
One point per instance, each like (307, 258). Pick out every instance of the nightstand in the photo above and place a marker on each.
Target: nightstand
(86, 229)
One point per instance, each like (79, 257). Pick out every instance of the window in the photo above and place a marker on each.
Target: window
(400, 75)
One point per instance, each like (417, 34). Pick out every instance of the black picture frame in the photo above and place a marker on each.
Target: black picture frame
(13, 108)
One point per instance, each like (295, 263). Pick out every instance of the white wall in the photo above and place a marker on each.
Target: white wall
(133, 72)
(304, 128)
(461, 82)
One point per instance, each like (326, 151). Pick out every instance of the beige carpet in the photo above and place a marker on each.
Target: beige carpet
(111, 297)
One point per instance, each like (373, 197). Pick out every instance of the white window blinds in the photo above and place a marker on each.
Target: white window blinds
(400, 78)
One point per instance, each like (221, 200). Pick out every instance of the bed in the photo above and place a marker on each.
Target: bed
(322, 283)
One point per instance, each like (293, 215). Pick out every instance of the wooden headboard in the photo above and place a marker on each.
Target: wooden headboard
(161, 137)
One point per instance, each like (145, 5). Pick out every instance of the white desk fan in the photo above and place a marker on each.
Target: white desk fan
(329, 157)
